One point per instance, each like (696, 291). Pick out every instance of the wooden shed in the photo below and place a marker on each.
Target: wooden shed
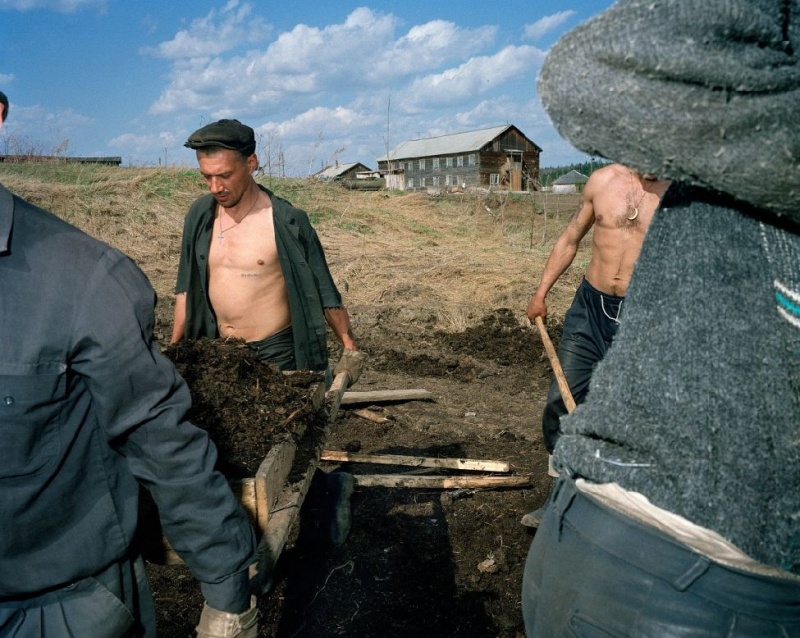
(498, 157)
(339, 172)
(571, 182)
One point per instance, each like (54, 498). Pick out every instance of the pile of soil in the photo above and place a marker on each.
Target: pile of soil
(417, 561)
(246, 405)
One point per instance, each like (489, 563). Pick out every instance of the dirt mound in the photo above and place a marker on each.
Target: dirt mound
(245, 405)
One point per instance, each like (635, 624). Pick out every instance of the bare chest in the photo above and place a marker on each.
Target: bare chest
(247, 251)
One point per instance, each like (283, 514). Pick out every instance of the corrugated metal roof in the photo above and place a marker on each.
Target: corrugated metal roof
(445, 144)
(331, 172)
(573, 177)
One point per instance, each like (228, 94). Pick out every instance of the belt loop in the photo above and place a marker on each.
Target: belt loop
(698, 568)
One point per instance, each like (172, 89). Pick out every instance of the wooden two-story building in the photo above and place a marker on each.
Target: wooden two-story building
(498, 157)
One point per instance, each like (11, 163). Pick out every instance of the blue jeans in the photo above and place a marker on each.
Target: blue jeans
(594, 572)
(116, 603)
(589, 327)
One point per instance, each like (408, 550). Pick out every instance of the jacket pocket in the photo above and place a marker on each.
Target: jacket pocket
(31, 401)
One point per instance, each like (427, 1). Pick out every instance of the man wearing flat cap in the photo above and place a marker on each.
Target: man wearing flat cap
(252, 267)
(677, 508)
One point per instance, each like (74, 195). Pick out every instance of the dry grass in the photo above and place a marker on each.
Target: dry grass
(444, 261)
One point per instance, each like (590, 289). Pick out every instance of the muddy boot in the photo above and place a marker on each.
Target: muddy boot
(533, 519)
(339, 487)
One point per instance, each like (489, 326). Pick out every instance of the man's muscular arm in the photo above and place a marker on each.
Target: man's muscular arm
(339, 321)
(563, 252)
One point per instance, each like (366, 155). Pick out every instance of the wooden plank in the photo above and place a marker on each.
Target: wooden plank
(370, 415)
(270, 478)
(441, 482)
(272, 474)
(379, 396)
(474, 465)
(278, 529)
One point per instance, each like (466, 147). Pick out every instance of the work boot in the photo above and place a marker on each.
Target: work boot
(533, 519)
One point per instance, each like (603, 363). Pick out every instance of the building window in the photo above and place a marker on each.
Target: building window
(472, 159)
(422, 165)
(460, 160)
(448, 162)
(422, 182)
(436, 181)
(494, 179)
(436, 163)
(411, 182)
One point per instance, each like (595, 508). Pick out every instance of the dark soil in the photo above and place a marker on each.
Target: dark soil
(247, 406)
(417, 562)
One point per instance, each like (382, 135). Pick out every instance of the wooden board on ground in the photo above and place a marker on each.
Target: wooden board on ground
(441, 482)
(474, 465)
(383, 396)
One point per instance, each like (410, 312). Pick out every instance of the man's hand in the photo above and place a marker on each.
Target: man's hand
(220, 624)
(536, 308)
(351, 362)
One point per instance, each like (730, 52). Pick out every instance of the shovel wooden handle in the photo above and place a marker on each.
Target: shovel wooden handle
(566, 394)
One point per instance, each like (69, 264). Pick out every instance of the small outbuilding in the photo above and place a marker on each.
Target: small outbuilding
(571, 182)
(341, 172)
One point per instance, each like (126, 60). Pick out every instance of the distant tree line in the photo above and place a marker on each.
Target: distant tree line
(551, 173)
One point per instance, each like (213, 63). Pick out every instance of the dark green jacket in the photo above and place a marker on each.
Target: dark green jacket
(309, 283)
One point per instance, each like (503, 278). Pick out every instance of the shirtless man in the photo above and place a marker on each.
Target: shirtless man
(252, 267)
(619, 204)
(266, 280)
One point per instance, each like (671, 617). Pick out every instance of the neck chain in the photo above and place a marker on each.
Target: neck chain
(632, 208)
(222, 231)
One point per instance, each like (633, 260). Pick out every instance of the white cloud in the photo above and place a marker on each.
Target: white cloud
(307, 62)
(318, 121)
(475, 77)
(61, 6)
(547, 24)
(6, 79)
(131, 143)
(213, 34)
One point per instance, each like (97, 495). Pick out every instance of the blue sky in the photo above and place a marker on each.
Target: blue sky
(320, 80)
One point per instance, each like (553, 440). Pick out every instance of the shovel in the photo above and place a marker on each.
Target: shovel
(563, 386)
(569, 402)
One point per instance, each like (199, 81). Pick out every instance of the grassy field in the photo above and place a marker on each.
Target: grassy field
(442, 260)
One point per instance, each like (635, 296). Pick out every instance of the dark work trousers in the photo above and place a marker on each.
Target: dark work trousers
(115, 603)
(592, 571)
(589, 327)
(277, 349)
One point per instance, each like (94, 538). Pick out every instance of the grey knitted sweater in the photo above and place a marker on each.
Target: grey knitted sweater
(697, 403)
